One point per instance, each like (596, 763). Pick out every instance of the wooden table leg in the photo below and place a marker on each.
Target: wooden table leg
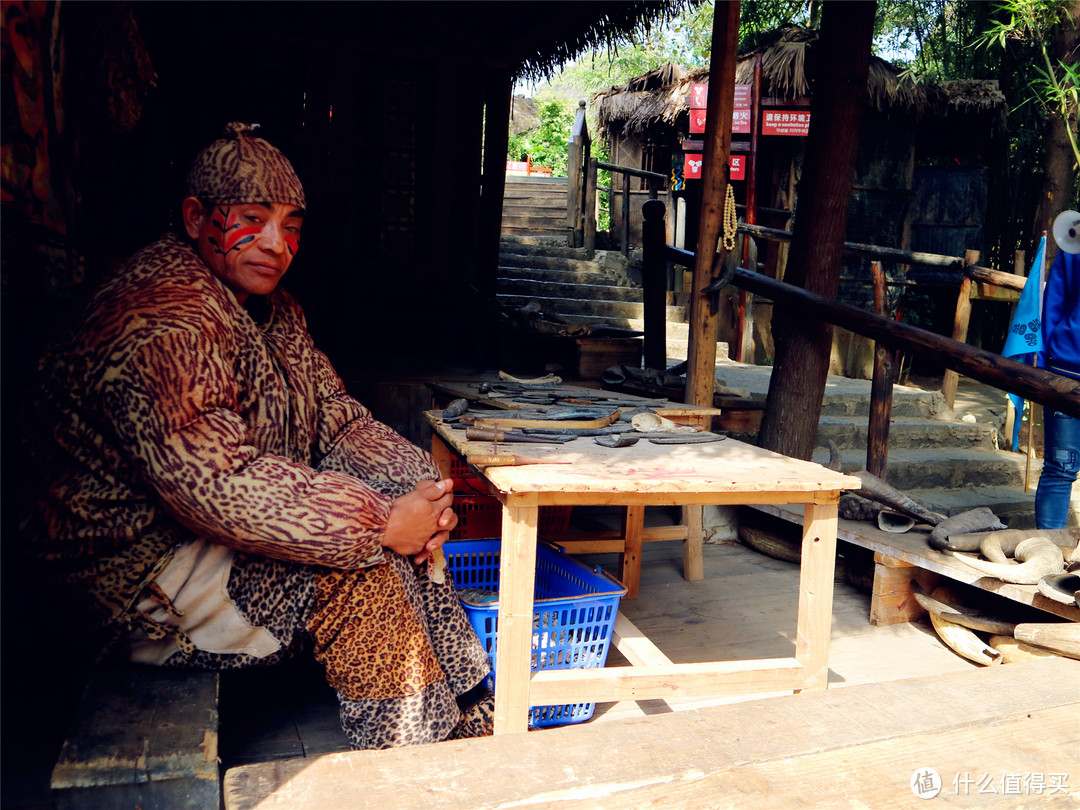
(513, 649)
(630, 558)
(816, 593)
(693, 559)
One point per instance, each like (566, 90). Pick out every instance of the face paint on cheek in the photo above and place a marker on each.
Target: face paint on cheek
(292, 242)
(235, 235)
(216, 235)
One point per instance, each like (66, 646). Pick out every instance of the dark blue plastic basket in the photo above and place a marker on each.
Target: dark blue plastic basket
(575, 609)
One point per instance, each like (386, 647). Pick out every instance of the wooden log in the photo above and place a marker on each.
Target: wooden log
(877, 432)
(1049, 389)
(960, 327)
(701, 366)
(803, 342)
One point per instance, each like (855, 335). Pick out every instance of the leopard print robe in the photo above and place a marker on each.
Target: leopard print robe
(176, 413)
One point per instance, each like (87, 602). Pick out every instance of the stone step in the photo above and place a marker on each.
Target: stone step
(943, 467)
(539, 245)
(588, 274)
(1012, 505)
(908, 433)
(553, 232)
(615, 312)
(534, 266)
(596, 291)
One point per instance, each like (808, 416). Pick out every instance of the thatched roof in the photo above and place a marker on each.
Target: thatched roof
(787, 73)
(555, 33)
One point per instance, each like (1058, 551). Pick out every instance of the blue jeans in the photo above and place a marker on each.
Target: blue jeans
(1060, 466)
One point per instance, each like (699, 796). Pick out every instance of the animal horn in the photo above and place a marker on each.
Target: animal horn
(1037, 555)
(1009, 539)
(877, 490)
(836, 458)
(971, 619)
(960, 639)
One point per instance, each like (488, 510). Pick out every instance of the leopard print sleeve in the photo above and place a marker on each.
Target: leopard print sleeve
(350, 440)
(173, 405)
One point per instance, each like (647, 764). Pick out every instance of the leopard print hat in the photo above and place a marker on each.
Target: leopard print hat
(240, 168)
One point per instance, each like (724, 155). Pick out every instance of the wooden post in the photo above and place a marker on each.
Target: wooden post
(589, 225)
(701, 355)
(625, 214)
(654, 276)
(803, 343)
(1045, 387)
(745, 352)
(960, 326)
(877, 432)
(575, 162)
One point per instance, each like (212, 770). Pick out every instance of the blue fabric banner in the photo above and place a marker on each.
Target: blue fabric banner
(1025, 338)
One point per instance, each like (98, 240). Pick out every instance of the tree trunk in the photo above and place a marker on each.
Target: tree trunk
(842, 54)
(1059, 183)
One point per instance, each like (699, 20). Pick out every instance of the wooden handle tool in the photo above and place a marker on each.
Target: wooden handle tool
(507, 460)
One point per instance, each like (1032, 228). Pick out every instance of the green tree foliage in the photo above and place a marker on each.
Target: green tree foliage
(1053, 84)
(545, 144)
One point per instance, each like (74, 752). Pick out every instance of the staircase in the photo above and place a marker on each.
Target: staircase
(944, 463)
(535, 206)
(566, 283)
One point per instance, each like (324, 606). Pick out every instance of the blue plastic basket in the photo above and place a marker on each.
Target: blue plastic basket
(575, 610)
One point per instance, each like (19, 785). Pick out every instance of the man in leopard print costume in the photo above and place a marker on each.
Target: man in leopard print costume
(219, 499)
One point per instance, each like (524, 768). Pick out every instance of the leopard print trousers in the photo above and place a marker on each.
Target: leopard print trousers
(404, 697)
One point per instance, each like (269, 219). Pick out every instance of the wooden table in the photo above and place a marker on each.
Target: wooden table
(724, 472)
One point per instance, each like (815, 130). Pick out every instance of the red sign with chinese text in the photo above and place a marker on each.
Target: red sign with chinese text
(738, 167)
(785, 122)
(692, 166)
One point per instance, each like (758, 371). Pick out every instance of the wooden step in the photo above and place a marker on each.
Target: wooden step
(142, 737)
(857, 746)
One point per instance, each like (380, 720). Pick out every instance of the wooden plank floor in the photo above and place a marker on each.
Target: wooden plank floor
(744, 608)
(1006, 736)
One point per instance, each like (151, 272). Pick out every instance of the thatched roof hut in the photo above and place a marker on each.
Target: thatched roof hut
(920, 176)
(787, 73)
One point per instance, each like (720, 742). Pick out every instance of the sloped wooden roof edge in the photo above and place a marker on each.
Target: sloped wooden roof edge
(787, 73)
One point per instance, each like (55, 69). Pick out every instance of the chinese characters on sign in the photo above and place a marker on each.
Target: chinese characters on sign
(785, 122)
(926, 783)
(692, 163)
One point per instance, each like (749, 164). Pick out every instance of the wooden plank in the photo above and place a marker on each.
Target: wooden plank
(634, 646)
(912, 547)
(142, 736)
(658, 474)
(816, 593)
(857, 746)
(517, 577)
(892, 600)
(711, 678)
(693, 562)
(630, 556)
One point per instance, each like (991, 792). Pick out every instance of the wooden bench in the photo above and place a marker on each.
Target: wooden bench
(900, 558)
(143, 737)
(857, 746)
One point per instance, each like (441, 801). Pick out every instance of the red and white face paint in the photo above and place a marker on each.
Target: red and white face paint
(249, 246)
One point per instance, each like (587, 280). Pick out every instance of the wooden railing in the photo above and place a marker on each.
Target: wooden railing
(582, 189)
(1035, 384)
